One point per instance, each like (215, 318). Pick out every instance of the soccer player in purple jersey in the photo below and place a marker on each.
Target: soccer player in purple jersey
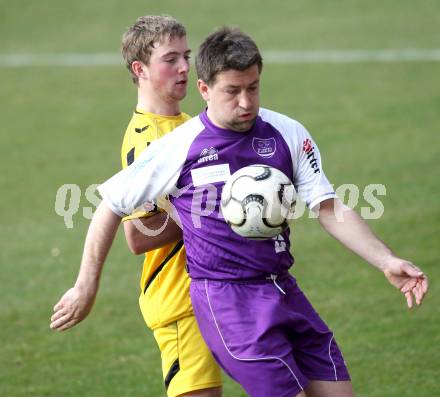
(255, 319)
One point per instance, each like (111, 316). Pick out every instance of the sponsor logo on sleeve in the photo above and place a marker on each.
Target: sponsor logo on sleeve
(309, 150)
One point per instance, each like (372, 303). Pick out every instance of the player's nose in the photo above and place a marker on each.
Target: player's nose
(184, 65)
(245, 101)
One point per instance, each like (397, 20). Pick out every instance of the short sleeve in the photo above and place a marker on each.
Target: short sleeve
(153, 174)
(310, 181)
(147, 178)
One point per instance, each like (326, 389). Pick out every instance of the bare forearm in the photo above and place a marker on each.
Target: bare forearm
(77, 302)
(146, 234)
(353, 232)
(347, 226)
(100, 236)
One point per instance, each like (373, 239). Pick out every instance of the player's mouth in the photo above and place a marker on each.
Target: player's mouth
(246, 116)
(182, 83)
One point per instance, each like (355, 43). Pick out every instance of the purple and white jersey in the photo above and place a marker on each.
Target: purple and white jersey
(191, 165)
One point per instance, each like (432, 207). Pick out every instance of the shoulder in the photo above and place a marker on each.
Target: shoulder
(181, 138)
(186, 116)
(139, 126)
(139, 121)
(136, 137)
(279, 120)
(190, 128)
(287, 126)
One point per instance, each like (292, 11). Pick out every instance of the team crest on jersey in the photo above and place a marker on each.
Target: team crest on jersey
(208, 154)
(264, 147)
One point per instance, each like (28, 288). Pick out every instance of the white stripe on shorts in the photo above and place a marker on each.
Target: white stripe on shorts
(246, 359)
(330, 355)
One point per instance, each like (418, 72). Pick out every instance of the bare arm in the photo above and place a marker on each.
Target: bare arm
(77, 302)
(147, 234)
(354, 233)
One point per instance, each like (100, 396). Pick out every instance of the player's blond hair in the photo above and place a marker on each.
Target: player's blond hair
(138, 41)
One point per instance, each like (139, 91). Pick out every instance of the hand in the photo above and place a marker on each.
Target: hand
(72, 308)
(407, 277)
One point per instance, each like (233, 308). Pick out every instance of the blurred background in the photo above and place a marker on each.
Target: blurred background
(353, 72)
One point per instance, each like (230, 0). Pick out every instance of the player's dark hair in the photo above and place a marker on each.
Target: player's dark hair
(138, 41)
(226, 49)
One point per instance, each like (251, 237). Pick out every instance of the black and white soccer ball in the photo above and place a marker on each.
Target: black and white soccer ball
(257, 201)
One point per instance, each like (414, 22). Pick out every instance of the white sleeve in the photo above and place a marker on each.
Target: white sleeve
(153, 174)
(309, 179)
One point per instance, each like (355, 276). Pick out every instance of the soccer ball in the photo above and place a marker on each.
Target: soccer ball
(257, 200)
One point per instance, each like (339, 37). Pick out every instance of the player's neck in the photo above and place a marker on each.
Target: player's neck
(152, 104)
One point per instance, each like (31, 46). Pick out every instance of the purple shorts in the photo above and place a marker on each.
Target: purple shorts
(269, 342)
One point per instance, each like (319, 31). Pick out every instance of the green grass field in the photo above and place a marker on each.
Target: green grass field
(374, 122)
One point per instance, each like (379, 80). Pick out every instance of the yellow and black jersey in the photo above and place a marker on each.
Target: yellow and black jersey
(164, 282)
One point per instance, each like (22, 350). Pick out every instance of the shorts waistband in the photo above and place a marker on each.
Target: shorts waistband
(263, 279)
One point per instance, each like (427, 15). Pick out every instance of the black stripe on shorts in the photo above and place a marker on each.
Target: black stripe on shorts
(175, 368)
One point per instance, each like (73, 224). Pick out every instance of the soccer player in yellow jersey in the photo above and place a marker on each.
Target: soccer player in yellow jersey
(157, 55)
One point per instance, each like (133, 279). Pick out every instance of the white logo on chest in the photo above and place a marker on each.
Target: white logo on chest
(210, 174)
(264, 147)
(206, 155)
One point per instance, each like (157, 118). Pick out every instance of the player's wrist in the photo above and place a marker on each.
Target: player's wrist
(87, 285)
(391, 264)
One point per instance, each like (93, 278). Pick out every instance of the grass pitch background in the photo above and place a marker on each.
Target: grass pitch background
(374, 122)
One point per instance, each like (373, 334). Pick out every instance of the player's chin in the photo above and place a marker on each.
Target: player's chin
(244, 125)
(179, 94)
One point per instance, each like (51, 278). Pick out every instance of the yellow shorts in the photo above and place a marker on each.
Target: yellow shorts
(187, 364)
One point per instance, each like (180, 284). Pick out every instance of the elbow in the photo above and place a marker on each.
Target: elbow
(135, 244)
(136, 248)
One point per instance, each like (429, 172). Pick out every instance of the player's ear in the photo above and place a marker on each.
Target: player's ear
(139, 69)
(203, 89)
